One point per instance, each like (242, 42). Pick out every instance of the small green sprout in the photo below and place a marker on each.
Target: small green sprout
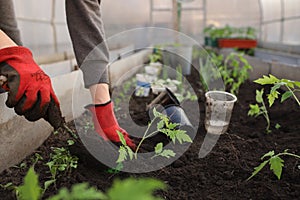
(260, 109)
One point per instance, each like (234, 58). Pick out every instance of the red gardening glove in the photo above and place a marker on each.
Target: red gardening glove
(106, 124)
(29, 88)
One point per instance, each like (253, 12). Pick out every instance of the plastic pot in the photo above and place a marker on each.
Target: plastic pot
(177, 115)
(219, 106)
(236, 43)
(171, 107)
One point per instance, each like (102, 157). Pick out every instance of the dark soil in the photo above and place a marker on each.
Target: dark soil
(221, 174)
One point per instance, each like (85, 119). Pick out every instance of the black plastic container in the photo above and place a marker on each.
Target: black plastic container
(170, 106)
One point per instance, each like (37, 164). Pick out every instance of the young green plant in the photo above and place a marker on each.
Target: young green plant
(156, 55)
(275, 161)
(130, 188)
(163, 125)
(260, 109)
(235, 71)
(61, 161)
(291, 88)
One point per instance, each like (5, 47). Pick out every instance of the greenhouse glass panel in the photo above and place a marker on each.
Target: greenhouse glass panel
(165, 4)
(192, 23)
(271, 9)
(33, 9)
(271, 32)
(192, 4)
(233, 12)
(292, 8)
(291, 34)
(162, 19)
(118, 16)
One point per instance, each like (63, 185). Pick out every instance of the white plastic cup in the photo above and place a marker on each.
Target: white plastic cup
(218, 110)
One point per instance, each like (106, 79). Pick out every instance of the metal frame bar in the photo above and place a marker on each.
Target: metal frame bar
(282, 20)
(260, 19)
(53, 25)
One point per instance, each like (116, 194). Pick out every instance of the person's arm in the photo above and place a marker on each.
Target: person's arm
(5, 41)
(8, 21)
(92, 55)
(29, 89)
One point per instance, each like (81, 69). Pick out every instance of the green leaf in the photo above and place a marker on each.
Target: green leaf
(122, 139)
(267, 80)
(158, 148)
(181, 136)
(269, 154)
(116, 169)
(272, 96)
(155, 112)
(31, 189)
(80, 191)
(167, 153)
(275, 87)
(254, 110)
(259, 96)
(130, 152)
(258, 168)
(122, 154)
(160, 125)
(70, 142)
(48, 183)
(286, 95)
(297, 83)
(277, 126)
(172, 125)
(135, 189)
(288, 83)
(276, 164)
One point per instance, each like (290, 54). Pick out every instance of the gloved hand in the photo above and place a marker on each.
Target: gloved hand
(29, 88)
(106, 124)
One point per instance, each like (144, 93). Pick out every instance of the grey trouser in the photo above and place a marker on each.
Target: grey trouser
(87, 35)
(86, 31)
(8, 22)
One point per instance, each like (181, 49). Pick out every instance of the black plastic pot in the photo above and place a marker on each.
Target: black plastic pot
(177, 115)
(170, 106)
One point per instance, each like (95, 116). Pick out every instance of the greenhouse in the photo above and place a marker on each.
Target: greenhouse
(149, 99)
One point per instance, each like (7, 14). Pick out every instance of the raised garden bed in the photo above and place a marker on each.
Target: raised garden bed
(221, 174)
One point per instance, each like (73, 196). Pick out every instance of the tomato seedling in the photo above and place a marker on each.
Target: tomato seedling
(260, 109)
(275, 161)
(291, 86)
(163, 126)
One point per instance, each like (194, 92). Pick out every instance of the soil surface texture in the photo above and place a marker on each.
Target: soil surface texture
(222, 174)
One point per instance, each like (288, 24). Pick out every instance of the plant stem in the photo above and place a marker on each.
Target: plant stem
(265, 113)
(289, 154)
(293, 95)
(144, 137)
(70, 131)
